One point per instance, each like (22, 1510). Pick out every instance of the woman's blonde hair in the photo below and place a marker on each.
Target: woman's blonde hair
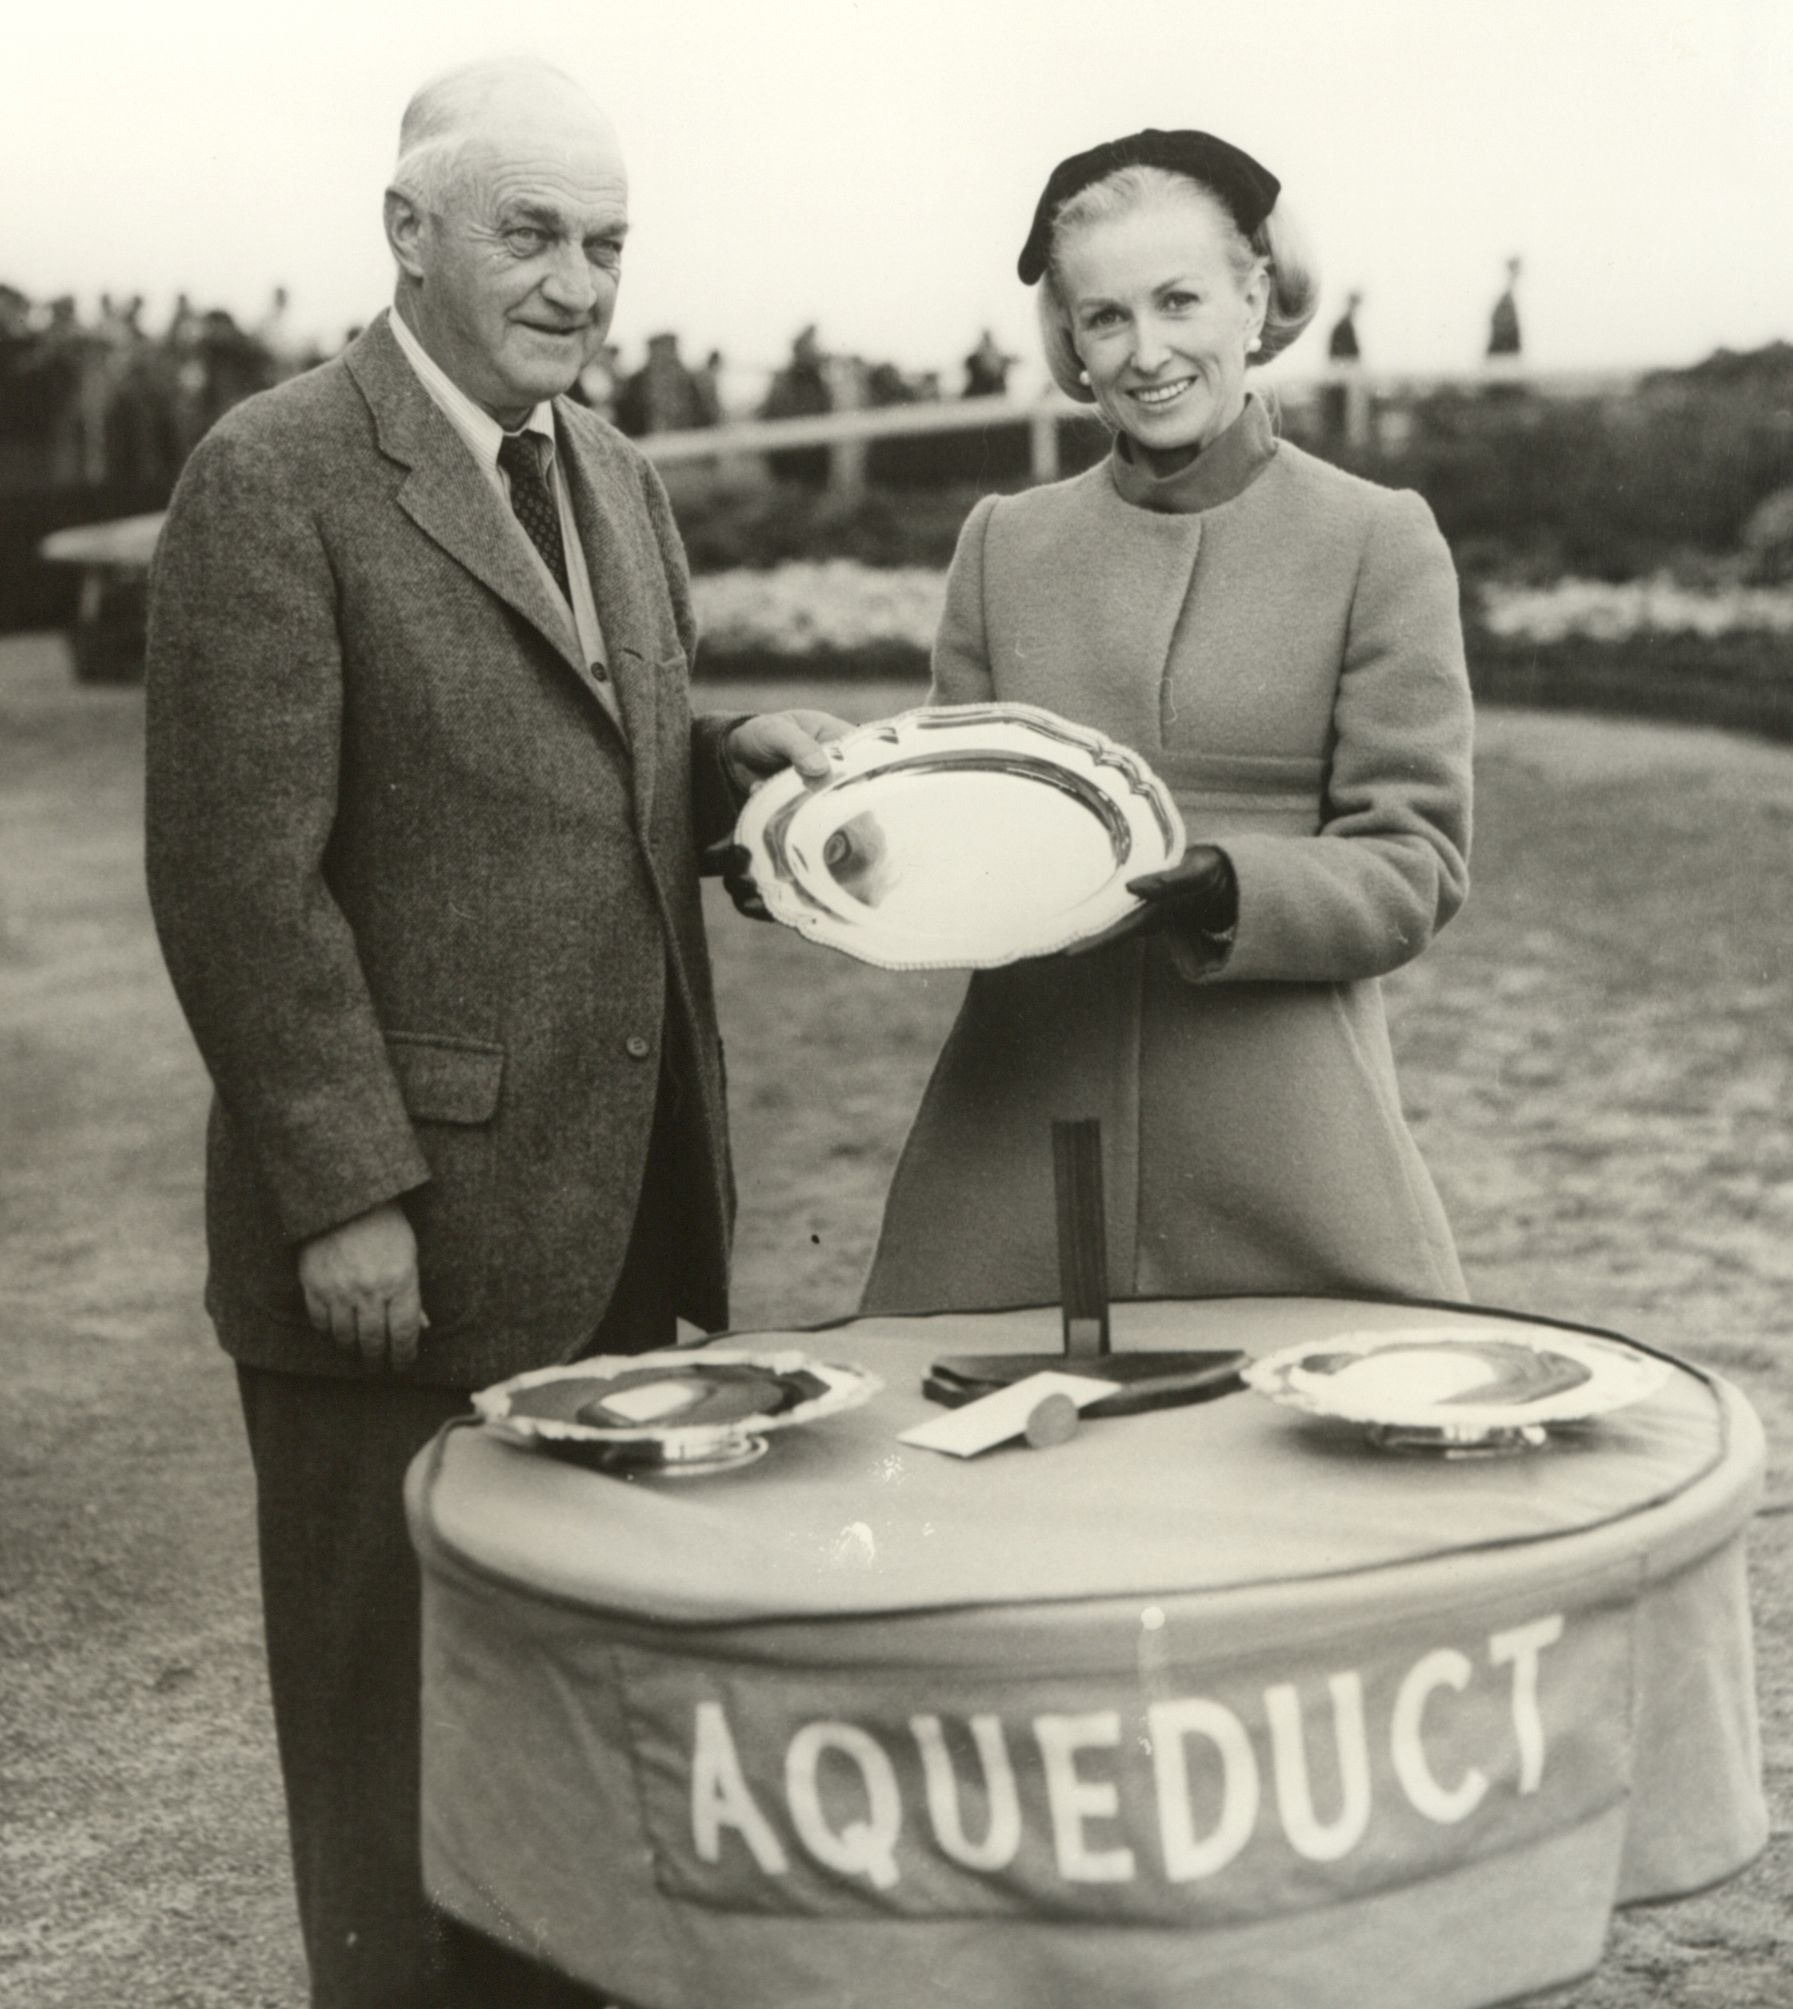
(1279, 245)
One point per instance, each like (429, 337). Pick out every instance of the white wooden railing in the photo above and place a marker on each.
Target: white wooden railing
(126, 545)
(847, 433)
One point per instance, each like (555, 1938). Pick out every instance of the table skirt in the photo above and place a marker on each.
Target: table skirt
(1421, 1778)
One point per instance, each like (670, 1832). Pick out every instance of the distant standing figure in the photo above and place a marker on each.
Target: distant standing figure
(800, 390)
(19, 415)
(662, 396)
(236, 364)
(707, 378)
(1341, 344)
(77, 443)
(987, 369)
(1343, 352)
(596, 388)
(186, 368)
(1503, 323)
(885, 384)
(274, 333)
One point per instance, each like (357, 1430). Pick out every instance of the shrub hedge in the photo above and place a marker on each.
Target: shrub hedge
(1609, 488)
(1741, 683)
(1522, 486)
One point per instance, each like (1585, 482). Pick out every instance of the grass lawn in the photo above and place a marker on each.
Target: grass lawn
(1598, 1058)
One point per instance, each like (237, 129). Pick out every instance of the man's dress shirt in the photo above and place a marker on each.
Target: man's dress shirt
(483, 436)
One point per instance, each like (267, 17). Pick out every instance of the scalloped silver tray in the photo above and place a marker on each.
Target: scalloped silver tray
(540, 1408)
(1458, 1390)
(960, 837)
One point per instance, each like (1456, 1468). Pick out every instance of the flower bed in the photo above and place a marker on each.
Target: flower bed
(1649, 648)
(835, 617)
(1600, 610)
(803, 608)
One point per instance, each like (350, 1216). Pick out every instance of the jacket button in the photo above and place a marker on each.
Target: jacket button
(636, 1047)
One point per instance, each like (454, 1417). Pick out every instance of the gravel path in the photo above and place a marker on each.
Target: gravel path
(1597, 1056)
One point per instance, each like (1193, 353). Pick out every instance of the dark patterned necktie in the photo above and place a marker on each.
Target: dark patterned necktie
(533, 501)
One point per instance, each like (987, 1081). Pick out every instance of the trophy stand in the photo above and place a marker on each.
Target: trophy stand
(1144, 1380)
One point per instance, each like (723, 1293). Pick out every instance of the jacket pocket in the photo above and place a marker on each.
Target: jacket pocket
(453, 1091)
(446, 1080)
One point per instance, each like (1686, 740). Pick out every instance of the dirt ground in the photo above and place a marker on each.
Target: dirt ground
(1598, 1058)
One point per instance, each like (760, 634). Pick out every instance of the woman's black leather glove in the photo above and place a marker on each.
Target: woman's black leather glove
(1198, 895)
(1198, 892)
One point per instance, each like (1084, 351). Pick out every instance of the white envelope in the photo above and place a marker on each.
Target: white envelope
(995, 1418)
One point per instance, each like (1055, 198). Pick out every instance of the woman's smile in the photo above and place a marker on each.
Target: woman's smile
(1156, 396)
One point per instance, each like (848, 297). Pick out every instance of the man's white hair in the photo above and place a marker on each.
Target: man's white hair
(445, 113)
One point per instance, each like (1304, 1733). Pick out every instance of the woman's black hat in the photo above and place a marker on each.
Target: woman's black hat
(1248, 190)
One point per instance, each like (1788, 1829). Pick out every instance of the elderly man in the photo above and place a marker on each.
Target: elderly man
(425, 805)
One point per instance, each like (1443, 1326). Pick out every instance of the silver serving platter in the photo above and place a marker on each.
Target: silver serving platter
(1456, 1389)
(960, 837)
(661, 1384)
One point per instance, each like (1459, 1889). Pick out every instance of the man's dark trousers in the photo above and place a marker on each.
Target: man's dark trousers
(341, 1604)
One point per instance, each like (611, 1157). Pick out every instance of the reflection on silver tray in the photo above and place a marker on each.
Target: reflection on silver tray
(1459, 1390)
(682, 1412)
(960, 837)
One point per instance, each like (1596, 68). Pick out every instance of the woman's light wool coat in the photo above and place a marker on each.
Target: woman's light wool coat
(1282, 641)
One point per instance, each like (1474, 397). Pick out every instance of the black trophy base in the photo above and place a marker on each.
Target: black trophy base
(1147, 1380)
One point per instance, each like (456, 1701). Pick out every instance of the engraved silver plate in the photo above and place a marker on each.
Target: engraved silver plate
(960, 837)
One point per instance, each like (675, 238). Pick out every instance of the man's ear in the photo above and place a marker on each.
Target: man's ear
(404, 232)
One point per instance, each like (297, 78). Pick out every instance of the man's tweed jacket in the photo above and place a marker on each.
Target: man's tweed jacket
(433, 927)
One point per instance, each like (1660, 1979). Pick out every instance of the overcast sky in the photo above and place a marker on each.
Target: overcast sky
(872, 165)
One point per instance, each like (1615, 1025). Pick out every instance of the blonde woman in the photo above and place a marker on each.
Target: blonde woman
(1281, 640)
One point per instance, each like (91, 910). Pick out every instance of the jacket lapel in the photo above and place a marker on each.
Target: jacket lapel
(445, 494)
(623, 563)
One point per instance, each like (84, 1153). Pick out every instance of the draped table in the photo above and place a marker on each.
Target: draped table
(1218, 1705)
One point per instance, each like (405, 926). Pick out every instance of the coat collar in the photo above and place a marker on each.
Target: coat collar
(445, 494)
(1224, 469)
(483, 435)
(451, 501)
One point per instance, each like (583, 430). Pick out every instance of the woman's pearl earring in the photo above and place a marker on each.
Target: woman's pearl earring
(1254, 345)
(1083, 376)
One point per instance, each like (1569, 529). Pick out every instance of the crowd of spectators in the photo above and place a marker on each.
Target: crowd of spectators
(103, 399)
(666, 394)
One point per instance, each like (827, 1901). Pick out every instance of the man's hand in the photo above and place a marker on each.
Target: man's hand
(761, 746)
(360, 1285)
(732, 863)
